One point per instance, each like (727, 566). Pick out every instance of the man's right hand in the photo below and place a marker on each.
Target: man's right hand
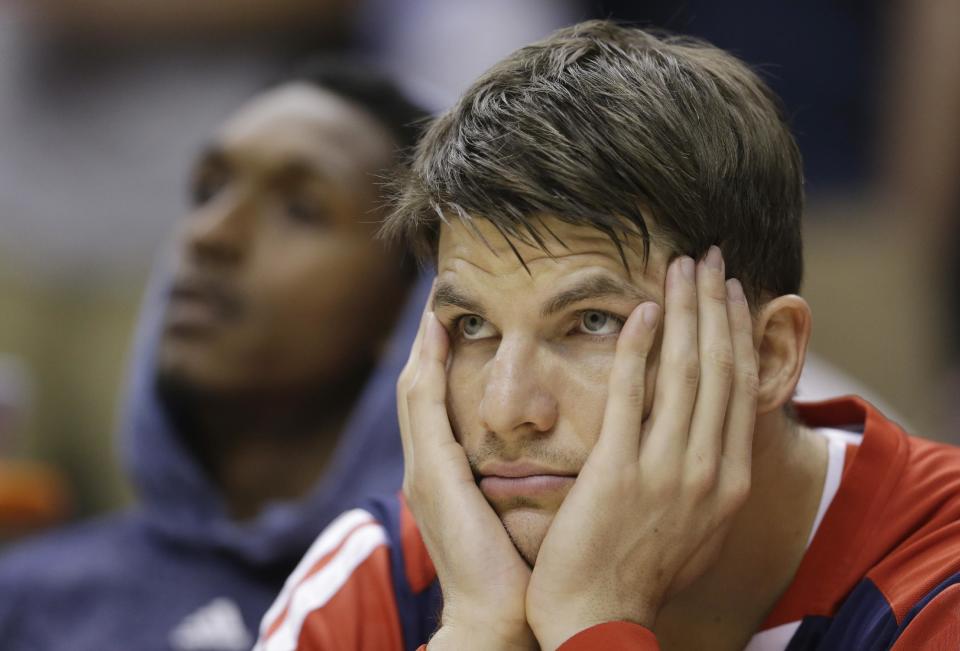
(482, 576)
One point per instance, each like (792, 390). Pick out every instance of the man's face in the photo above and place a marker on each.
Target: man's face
(530, 357)
(278, 280)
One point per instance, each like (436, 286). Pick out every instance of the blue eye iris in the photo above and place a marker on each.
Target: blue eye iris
(597, 322)
(594, 321)
(471, 325)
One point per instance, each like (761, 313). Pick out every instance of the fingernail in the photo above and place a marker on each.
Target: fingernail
(650, 313)
(735, 291)
(715, 258)
(687, 266)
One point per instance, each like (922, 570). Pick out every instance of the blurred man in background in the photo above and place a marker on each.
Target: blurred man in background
(90, 91)
(262, 400)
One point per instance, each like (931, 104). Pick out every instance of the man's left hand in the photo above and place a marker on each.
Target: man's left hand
(652, 504)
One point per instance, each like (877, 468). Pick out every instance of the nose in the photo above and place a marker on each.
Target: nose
(515, 401)
(220, 232)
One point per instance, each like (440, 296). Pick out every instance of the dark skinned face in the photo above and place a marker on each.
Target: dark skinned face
(279, 282)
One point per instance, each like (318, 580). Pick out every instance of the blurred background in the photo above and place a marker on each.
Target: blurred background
(103, 104)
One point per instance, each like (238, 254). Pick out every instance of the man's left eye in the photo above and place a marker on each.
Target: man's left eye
(595, 322)
(303, 210)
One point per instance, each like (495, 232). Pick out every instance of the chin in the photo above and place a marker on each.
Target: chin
(198, 365)
(178, 366)
(527, 528)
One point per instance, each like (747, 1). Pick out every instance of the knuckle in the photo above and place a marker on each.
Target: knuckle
(721, 357)
(406, 378)
(621, 483)
(712, 554)
(749, 382)
(739, 488)
(662, 486)
(637, 361)
(418, 389)
(717, 293)
(701, 480)
(744, 326)
(635, 393)
(690, 370)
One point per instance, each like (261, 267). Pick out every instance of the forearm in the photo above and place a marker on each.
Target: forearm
(470, 638)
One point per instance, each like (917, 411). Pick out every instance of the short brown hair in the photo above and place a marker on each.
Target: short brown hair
(599, 123)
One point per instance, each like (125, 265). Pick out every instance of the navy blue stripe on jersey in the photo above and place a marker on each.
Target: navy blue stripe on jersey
(864, 622)
(927, 598)
(809, 633)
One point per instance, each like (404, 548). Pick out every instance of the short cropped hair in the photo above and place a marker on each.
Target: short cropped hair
(633, 132)
(368, 87)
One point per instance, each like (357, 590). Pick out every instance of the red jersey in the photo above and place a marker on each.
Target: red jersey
(881, 572)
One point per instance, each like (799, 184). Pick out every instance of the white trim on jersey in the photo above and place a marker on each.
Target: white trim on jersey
(317, 590)
(837, 441)
(777, 637)
(331, 537)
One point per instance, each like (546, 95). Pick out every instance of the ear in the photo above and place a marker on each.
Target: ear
(781, 333)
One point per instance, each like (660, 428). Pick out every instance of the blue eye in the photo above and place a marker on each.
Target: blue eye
(595, 322)
(475, 327)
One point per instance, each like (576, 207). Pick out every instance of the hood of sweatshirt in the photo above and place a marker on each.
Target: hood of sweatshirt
(182, 504)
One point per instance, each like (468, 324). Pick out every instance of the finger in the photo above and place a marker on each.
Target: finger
(407, 376)
(742, 410)
(679, 370)
(431, 436)
(417, 341)
(716, 365)
(619, 439)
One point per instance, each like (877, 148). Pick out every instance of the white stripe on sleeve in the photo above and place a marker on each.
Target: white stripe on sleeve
(328, 540)
(316, 591)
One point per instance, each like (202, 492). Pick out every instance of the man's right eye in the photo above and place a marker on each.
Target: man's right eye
(475, 327)
(206, 185)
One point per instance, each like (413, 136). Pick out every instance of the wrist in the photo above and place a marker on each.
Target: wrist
(562, 624)
(470, 636)
(493, 625)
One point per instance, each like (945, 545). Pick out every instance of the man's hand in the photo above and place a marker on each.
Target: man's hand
(652, 505)
(482, 576)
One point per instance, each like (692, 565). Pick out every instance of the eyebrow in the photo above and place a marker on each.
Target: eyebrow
(210, 152)
(593, 287)
(297, 171)
(293, 170)
(446, 295)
